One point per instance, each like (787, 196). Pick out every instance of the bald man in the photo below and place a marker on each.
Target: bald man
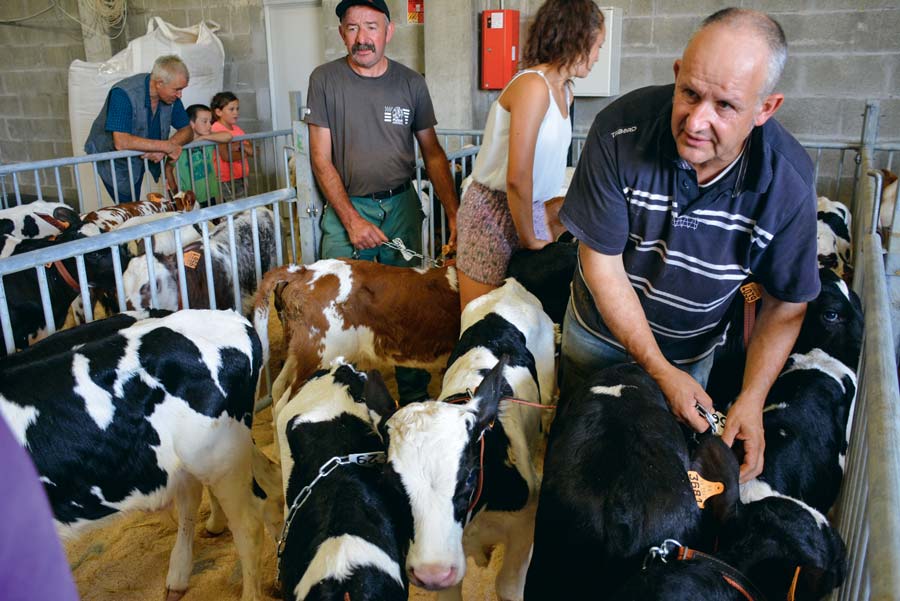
(681, 193)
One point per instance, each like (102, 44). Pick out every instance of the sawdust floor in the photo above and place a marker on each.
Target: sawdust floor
(127, 560)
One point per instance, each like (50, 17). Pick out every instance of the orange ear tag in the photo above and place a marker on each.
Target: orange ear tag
(191, 258)
(704, 489)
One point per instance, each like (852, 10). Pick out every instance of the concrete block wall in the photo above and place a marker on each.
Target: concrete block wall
(841, 53)
(34, 106)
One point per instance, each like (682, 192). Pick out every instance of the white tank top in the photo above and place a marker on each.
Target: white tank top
(551, 148)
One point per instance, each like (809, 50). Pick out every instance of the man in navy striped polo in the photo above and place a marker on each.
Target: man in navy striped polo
(681, 193)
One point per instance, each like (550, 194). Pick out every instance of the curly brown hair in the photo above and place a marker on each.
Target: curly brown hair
(562, 33)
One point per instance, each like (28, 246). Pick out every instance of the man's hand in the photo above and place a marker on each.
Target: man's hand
(153, 157)
(744, 422)
(683, 393)
(173, 150)
(363, 234)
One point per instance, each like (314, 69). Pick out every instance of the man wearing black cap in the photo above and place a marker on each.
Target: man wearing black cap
(364, 111)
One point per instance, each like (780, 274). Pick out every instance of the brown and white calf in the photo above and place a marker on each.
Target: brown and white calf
(135, 414)
(374, 316)
(109, 218)
(468, 469)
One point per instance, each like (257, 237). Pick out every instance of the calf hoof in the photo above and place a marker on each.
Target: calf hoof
(173, 595)
(215, 527)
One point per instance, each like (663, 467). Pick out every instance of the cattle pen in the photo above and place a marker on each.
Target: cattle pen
(866, 513)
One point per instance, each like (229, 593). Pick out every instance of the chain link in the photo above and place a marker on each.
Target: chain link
(364, 459)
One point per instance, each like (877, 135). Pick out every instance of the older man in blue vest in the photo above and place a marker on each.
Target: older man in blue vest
(138, 114)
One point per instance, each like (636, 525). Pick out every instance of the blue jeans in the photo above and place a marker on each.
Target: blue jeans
(583, 354)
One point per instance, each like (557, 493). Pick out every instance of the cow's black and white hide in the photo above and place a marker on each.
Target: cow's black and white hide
(807, 415)
(142, 416)
(350, 535)
(766, 542)
(833, 235)
(136, 278)
(616, 482)
(23, 222)
(434, 448)
(547, 273)
(23, 293)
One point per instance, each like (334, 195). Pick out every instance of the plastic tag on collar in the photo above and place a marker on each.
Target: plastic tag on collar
(703, 489)
(752, 292)
(372, 458)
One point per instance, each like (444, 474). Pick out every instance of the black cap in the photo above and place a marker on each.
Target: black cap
(378, 5)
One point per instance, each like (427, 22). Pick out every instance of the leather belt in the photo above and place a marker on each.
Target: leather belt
(388, 193)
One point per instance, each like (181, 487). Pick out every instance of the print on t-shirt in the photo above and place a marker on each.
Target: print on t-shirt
(396, 115)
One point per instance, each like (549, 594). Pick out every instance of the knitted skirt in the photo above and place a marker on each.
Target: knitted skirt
(487, 235)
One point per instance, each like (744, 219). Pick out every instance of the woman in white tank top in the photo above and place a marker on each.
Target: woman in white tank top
(522, 160)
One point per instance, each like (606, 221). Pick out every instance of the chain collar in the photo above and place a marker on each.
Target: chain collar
(365, 459)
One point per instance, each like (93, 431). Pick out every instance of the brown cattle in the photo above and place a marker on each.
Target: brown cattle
(376, 316)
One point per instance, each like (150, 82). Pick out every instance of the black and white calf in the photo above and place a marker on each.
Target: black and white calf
(616, 482)
(833, 235)
(23, 295)
(23, 222)
(547, 273)
(468, 469)
(125, 416)
(136, 277)
(346, 533)
(774, 548)
(808, 412)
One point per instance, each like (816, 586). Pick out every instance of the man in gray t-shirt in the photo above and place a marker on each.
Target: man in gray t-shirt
(364, 111)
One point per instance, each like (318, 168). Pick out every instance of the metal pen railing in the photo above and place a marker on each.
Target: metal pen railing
(76, 180)
(867, 514)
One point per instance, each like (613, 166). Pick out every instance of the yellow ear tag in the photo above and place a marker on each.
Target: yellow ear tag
(704, 489)
(191, 258)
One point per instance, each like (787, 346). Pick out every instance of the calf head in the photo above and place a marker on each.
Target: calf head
(547, 273)
(136, 282)
(833, 235)
(833, 322)
(772, 537)
(434, 458)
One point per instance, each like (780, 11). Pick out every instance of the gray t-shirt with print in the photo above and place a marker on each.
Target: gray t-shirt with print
(372, 121)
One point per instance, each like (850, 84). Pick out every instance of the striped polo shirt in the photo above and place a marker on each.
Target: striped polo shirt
(686, 248)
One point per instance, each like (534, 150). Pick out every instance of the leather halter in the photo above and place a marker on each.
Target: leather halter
(464, 397)
(66, 276)
(735, 578)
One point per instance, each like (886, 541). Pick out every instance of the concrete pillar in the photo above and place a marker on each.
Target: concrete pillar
(451, 68)
(97, 45)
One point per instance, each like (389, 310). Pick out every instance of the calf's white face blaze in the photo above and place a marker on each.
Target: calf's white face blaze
(427, 441)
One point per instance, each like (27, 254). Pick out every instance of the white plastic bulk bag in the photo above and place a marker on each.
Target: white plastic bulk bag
(89, 83)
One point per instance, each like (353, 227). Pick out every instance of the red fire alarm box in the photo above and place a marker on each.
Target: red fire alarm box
(499, 47)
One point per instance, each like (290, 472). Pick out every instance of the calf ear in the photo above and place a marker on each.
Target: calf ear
(489, 392)
(378, 398)
(715, 462)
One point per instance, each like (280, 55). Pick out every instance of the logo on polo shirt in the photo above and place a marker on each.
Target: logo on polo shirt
(396, 115)
(688, 222)
(624, 130)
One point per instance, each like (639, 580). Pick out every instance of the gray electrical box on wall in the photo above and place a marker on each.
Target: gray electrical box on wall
(603, 80)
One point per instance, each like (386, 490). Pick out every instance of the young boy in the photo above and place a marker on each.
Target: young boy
(199, 161)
